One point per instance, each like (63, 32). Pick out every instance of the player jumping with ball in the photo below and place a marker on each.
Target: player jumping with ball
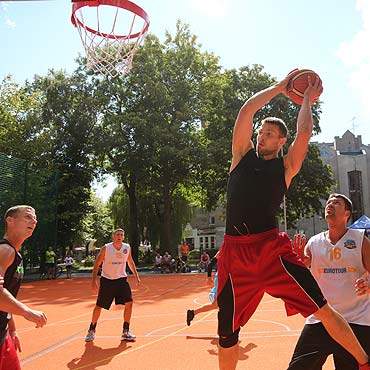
(255, 258)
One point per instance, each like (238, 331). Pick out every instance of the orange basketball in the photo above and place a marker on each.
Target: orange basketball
(298, 84)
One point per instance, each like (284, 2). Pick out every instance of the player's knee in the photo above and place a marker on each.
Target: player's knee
(229, 340)
(326, 313)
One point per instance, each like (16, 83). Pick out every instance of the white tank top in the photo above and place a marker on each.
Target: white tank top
(114, 264)
(336, 268)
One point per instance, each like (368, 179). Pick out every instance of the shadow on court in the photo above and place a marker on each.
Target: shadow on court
(214, 341)
(95, 356)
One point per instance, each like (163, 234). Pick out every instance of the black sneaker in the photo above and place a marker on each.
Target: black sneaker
(189, 316)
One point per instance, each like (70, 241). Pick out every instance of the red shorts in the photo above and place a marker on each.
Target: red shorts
(251, 265)
(8, 355)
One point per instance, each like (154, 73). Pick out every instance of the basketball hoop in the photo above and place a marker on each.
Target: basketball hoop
(111, 32)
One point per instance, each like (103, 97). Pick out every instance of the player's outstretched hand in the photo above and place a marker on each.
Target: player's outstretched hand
(299, 242)
(16, 341)
(38, 317)
(285, 81)
(314, 90)
(95, 285)
(361, 286)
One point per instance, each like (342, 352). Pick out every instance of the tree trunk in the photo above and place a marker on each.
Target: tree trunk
(133, 222)
(166, 224)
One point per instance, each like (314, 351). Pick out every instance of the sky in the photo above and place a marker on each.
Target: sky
(329, 37)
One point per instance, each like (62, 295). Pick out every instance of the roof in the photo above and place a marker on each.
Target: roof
(362, 223)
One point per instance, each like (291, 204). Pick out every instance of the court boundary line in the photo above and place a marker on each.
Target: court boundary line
(142, 346)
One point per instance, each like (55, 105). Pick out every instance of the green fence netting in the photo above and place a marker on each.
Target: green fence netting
(22, 183)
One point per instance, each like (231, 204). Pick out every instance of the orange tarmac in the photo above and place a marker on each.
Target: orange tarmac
(164, 341)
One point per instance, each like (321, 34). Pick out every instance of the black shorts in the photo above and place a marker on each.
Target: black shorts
(118, 289)
(315, 345)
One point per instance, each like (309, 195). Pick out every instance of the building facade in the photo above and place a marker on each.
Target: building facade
(349, 159)
(206, 229)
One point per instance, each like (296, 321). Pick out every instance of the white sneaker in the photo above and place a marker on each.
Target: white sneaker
(128, 336)
(90, 335)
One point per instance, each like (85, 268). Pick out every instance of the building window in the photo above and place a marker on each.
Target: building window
(325, 152)
(206, 242)
(355, 193)
(212, 220)
(212, 242)
(201, 245)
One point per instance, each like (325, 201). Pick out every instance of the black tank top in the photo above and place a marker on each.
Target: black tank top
(255, 191)
(12, 282)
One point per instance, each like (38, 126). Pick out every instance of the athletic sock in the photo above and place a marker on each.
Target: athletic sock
(126, 325)
(92, 326)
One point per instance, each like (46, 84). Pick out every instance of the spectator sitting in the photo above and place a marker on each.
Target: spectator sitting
(204, 261)
(157, 262)
(166, 263)
(178, 264)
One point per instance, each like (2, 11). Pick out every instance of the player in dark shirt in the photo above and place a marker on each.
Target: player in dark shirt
(20, 222)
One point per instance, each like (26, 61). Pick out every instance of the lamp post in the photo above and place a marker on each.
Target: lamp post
(313, 224)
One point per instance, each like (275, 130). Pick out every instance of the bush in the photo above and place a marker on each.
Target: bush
(194, 255)
(89, 261)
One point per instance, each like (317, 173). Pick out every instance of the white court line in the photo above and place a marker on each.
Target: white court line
(287, 332)
(286, 327)
(50, 349)
(58, 323)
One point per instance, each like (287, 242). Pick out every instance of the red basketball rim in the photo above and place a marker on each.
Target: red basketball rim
(123, 4)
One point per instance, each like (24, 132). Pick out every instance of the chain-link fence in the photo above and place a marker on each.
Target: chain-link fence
(21, 183)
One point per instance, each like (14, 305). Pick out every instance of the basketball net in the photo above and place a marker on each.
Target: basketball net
(111, 32)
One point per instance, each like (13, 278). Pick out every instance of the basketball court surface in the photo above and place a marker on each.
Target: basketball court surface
(164, 341)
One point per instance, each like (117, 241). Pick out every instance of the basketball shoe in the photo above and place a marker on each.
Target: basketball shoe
(128, 336)
(189, 316)
(90, 335)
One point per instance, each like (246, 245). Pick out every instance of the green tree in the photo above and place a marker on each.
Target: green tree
(150, 132)
(97, 224)
(69, 113)
(313, 183)
(148, 222)
(24, 140)
(22, 134)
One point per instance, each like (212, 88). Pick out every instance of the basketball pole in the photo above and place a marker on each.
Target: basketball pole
(284, 201)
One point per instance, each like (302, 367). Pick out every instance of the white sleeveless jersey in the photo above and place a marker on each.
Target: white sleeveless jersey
(336, 268)
(114, 264)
